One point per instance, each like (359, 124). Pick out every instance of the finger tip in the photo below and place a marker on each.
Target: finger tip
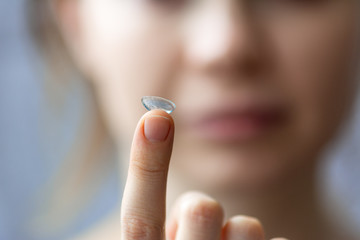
(152, 124)
(158, 112)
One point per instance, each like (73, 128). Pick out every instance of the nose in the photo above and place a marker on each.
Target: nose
(221, 37)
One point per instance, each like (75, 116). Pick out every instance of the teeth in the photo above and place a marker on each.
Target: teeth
(153, 102)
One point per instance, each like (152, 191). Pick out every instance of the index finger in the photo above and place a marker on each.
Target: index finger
(143, 204)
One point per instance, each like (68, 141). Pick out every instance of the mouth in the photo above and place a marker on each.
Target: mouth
(236, 122)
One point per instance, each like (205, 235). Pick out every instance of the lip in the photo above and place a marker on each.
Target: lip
(240, 122)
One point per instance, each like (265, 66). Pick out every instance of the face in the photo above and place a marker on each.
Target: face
(260, 85)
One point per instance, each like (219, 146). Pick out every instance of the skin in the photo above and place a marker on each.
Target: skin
(299, 54)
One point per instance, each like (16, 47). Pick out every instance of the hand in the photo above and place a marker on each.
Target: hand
(195, 216)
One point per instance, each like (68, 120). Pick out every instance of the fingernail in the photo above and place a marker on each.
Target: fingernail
(156, 128)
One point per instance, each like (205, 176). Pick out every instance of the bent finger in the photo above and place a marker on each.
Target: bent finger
(197, 217)
(243, 228)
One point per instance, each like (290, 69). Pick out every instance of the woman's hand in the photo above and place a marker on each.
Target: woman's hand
(195, 216)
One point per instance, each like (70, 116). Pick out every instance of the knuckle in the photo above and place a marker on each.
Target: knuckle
(249, 226)
(254, 222)
(143, 169)
(251, 221)
(203, 211)
(133, 227)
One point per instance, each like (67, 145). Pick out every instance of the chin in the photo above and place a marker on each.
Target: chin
(255, 166)
(225, 171)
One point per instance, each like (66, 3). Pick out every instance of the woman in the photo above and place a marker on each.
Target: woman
(261, 88)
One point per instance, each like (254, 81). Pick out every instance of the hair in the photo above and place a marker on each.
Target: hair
(63, 199)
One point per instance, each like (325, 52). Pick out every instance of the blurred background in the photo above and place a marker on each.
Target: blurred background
(34, 138)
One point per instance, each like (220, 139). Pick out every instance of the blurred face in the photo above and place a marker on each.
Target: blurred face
(260, 85)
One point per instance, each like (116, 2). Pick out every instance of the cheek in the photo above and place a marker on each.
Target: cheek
(314, 59)
(128, 55)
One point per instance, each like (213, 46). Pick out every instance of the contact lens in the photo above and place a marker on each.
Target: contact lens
(153, 102)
